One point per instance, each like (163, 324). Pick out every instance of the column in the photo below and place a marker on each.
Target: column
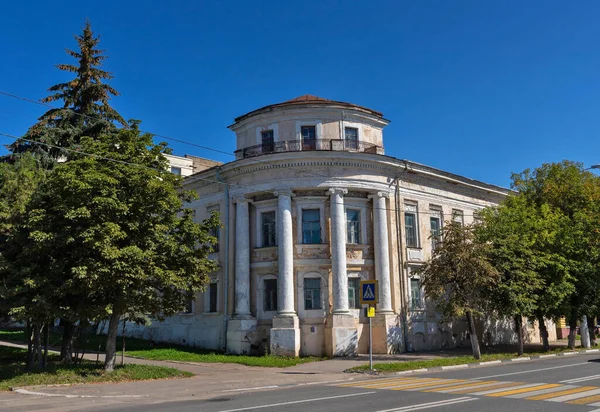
(382, 253)
(338, 251)
(242, 258)
(285, 247)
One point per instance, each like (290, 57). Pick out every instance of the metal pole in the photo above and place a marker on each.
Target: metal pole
(370, 344)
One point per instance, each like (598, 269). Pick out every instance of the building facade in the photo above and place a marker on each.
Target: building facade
(310, 207)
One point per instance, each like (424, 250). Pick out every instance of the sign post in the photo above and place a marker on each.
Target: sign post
(369, 295)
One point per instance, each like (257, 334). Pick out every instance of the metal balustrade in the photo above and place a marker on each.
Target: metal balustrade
(338, 145)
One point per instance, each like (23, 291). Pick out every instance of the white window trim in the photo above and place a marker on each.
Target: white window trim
(263, 207)
(310, 203)
(417, 222)
(207, 297)
(312, 313)
(411, 276)
(260, 129)
(361, 205)
(260, 301)
(358, 313)
(354, 125)
(318, 128)
(440, 215)
(456, 213)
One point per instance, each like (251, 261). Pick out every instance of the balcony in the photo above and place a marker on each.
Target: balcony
(335, 145)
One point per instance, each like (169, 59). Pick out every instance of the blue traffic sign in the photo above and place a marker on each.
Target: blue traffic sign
(368, 292)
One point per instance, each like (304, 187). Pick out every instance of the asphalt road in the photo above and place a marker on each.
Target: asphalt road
(566, 383)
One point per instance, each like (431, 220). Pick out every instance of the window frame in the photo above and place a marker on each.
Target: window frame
(207, 298)
(351, 144)
(305, 289)
(265, 296)
(268, 147)
(415, 214)
(458, 216)
(310, 202)
(435, 212)
(174, 168)
(262, 229)
(421, 306)
(358, 223)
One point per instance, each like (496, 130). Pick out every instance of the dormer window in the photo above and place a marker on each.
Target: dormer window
(351, 137)
(309, 137)
(267, 141)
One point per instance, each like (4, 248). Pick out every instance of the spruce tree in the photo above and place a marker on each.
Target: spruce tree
(86, 110)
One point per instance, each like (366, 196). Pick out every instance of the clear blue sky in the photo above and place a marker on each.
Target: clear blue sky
(477, 88)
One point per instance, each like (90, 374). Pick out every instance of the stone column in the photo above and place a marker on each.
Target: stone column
(285, 247)
(338, 251)
(382, 254)
(242, 258)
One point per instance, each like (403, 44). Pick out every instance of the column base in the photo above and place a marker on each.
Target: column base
(285, 336)
(241, 335)
(388, 335)
(341, 336)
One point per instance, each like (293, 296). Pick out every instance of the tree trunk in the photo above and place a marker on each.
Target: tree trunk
(46, 342)
(543, 333)
(111, 342)
(519, 330)
(66, 347)
(584, 332)
(572, 331)
(123, 342)
(592, 330)
(30, 354)
(37, 345)
(473, 334)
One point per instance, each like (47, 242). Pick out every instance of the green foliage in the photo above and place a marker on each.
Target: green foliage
(459, 276)
(85, 112)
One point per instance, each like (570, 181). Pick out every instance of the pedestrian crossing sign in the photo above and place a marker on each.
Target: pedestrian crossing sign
(368, 292)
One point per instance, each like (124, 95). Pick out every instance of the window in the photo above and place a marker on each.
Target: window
(458, 217)
(176, 170)
(477, 217)
(351, 137)
(435, 224)
(212, 297)
(270, 297)
(353, 226)
(189, 306)
(354, 293)
(415, 294)
(267, 141)
(411, 225)
(309, 137)
(268, 229)
(312, 293)
(311, 226)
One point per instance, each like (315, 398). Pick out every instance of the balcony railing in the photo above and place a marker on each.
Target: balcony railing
(337, 145)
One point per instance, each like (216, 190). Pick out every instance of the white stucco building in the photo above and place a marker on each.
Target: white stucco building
(311, 206)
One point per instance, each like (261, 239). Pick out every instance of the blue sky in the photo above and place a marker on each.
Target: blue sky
(477, 88)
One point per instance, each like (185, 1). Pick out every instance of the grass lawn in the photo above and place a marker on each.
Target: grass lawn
(13, 374)
(146, 349)
(449, 361)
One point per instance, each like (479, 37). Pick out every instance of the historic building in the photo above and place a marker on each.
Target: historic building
(310, 207)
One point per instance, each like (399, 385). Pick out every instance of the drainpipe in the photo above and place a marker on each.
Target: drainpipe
(226, 265)
(399, 244)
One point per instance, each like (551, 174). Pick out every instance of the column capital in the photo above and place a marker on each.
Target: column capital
(284, 192)
(337, 190)
(379, 195)
(242, 199)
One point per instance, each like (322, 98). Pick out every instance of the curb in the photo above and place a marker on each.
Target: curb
(475, 364)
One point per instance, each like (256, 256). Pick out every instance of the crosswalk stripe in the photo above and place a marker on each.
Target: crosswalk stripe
(516, 385)
(522, 390)
(586, 400)
(418, 385)
(376, 381)
(483, 387)
(441, 385)
(452, 387)
(575, 396)
(396, 384)
(561, 393)
(541, 392)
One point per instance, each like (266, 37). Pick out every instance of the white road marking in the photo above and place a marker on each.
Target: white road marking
(428, 405)
(250, 389)
(533, 370)
(60, 395)
(249, 408)
(541, 392)
(581, 379)
(509, 388)
(574, 396)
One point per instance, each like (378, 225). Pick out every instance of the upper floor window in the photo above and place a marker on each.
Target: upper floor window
(268, 229)
(270, 297)
(354, 293)
(353, 226)
(435, 224)
(267, 141)
(176, 170)
(309, 137)
(312, 293)
(311, 226)
(351, 137)
(411, 225)
(458, 216)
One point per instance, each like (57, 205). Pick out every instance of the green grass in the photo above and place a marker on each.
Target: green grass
(146, 349)
(13, 373)
(448, 361)
(195, 355)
